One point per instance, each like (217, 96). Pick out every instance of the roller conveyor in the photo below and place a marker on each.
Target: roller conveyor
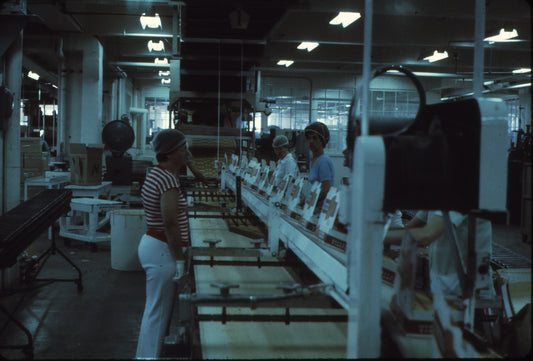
(19, 227)
(309, 331)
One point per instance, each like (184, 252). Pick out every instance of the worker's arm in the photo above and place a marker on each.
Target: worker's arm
(324, 189)
(423, 233)
(192, 166)
(169, 212)
(197, 173)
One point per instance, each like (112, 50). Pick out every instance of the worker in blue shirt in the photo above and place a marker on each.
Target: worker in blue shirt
(321, 167)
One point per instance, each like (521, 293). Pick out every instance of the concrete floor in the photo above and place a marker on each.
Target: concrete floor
(103, 320)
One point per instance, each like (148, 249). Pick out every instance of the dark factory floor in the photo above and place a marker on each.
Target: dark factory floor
(102, 321)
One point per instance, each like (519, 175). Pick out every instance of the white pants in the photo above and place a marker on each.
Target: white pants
(160, 268)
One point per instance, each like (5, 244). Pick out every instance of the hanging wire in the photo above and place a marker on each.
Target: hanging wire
(241, 115)
(218, 118)
(54, 117)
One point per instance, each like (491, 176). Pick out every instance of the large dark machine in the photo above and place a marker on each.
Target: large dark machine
(118, 137)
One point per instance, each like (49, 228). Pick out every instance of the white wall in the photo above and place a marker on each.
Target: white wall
(154, 91)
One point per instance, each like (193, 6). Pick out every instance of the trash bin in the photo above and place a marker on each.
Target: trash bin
(127, 228)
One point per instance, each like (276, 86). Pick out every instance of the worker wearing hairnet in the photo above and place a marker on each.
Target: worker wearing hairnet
(286, 163)
(161, 248)
(321, 165)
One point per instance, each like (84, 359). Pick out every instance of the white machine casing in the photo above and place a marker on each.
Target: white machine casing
(493, 154)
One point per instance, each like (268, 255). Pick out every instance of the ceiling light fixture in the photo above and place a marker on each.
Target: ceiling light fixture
(517, 86)
(502, 36)
(163, 61)
(309, 45)
(345, 18)
(147, 35)
(33, 75)
(151, 22)
(165, 81)
(164, 73)
(522, 71)
(436, 56)
(156, 46)
(287, 63)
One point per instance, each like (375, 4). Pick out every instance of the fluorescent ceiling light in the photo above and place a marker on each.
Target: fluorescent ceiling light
(519, 86)
(164, 73)
(424, 74)
(522, 70)
(345, 18)
(287, 63)
(148, 35)
(309, 45)
(54, 86)
(163, 61)
(151, 22)
(153, 46)
(502, 36)
(165, 81)
(33, 75)
(436, 56)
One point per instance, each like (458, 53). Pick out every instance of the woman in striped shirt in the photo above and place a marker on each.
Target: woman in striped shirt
(161, 248)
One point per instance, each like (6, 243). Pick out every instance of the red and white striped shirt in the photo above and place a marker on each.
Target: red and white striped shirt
(157, 182)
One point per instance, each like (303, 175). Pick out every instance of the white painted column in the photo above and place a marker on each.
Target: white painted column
(11, 138)
(365, 247)
(479, 49)
(365, 236)
(84, 88)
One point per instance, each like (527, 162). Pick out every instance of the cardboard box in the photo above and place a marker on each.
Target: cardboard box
(86, 164)
(30, 145)
(35, 160)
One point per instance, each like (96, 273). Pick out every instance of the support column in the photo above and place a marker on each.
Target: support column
(11, 138)
(365, 247)
(83, 90)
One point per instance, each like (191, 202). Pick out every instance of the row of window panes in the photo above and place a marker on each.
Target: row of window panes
(400, 103)
(513, 120)
(158, 114)
(333, 109)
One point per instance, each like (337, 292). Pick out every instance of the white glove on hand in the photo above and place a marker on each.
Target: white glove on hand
(180, 269)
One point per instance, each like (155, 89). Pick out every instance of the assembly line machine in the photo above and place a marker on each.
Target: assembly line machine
(379, 298)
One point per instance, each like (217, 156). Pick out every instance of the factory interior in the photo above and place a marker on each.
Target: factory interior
(426, 107)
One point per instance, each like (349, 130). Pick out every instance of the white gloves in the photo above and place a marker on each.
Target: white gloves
(180, 268)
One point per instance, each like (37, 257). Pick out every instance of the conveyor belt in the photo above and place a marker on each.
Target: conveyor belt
(20, 226)
(505, 258)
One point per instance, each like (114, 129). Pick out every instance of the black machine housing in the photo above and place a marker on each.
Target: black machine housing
(118, 137)
(433, 162)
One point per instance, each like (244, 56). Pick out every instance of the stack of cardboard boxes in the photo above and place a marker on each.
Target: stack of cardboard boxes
(34, 162)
